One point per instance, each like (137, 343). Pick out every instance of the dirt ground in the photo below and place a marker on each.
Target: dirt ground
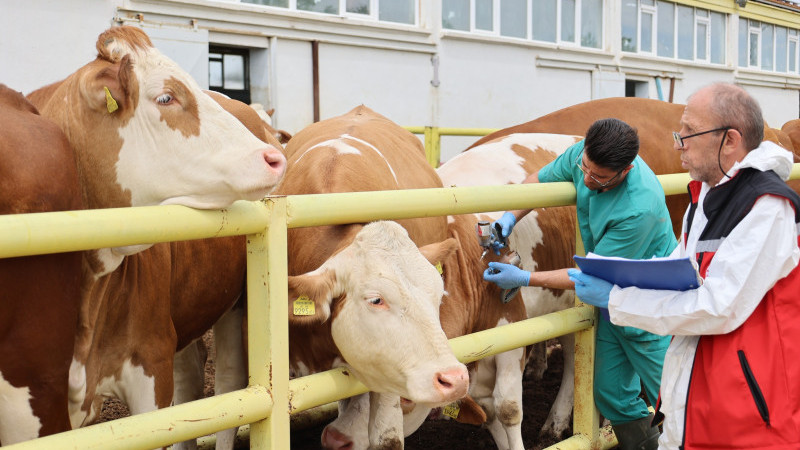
(434, 434)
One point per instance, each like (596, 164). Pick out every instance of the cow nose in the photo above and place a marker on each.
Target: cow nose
(332, 439)
(452, 384)
(275, 160)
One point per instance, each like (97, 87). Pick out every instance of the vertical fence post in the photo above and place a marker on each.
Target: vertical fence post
(268, 327)
(586, 420)
(433, 146)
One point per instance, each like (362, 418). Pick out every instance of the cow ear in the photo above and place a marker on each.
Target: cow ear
(440, 251)
(470, 412)
(311, 295)
(108, 89)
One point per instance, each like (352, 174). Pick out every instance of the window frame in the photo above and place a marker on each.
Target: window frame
(652, 11)
(704, 20)
(753, 30)
(243, 95)
(374, 11)
(697, 20)
(496, 30)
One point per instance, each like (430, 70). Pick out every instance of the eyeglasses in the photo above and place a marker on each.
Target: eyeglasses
(585, 170)
(679, 139)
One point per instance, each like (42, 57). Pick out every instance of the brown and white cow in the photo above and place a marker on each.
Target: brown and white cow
(792, 130)
(38, 294)
(654, 120)
(282, 136)
(145, 134)
(377, 301)
(545, 240)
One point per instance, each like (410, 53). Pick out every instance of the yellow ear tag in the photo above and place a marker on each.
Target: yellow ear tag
(303, 306)
(452, 410)
(439, 267)
(111, 104)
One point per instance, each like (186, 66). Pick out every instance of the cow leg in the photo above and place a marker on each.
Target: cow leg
(350, 429)
(537, 361)
(385, 422)
(230, 368)
(188, 373)
(481, 388)
(507, 396)
(558, 421)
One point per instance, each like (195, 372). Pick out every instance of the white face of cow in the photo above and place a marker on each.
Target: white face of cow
(181, 147)
(386, 323)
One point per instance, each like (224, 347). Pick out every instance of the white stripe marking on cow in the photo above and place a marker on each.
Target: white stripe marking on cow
(344, 149)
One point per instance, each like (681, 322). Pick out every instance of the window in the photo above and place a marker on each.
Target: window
(780, 48)
(666, 29)
(398, 11)
(685, 32)
(717, 46)
(634, 88)
(670, 30)
(228, 72)
(702, 31)
(543, 19)
(647, 25)
(513, 18)
(768, 47)
(578, 22)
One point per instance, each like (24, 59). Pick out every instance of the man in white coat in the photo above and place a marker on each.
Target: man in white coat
(730, 377)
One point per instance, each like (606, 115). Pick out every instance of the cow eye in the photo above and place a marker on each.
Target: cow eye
(164, 99)
(376, 301)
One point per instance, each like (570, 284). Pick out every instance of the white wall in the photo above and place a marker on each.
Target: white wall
(485, 83)
(293, 95)
(42, 41)
(393, 83)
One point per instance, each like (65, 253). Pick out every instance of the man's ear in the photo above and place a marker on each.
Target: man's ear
(311, 296)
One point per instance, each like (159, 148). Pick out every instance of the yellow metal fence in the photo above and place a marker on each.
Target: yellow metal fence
(271, 396)
(433, 141)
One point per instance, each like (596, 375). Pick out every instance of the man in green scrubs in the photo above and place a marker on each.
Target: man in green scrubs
(621, 212)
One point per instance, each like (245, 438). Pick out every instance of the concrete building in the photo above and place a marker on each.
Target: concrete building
(453, 63)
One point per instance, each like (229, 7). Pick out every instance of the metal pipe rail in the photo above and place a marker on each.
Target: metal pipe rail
(433, 141)
(271, 397)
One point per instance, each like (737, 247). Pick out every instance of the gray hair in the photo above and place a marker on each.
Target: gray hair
(736, 108)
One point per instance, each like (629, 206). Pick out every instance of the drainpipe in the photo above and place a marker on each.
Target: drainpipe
(315, 76)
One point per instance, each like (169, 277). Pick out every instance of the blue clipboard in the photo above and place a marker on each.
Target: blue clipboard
(665, 274)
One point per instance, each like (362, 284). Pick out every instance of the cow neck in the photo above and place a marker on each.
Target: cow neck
(467, 293)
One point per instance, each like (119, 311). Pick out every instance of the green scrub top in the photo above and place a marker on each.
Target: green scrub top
(630, 220)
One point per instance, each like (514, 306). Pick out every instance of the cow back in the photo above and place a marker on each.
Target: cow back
(356, 152)
(654, 121)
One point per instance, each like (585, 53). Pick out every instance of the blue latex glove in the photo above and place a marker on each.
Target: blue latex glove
(506, 225)
(506, 276)
(591, 290)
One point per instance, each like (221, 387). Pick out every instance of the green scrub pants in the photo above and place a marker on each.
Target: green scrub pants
(625, 359)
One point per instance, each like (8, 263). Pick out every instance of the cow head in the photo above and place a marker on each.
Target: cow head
(382, 296)
(147, 135)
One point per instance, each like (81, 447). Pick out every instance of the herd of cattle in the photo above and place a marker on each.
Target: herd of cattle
(133, 129)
